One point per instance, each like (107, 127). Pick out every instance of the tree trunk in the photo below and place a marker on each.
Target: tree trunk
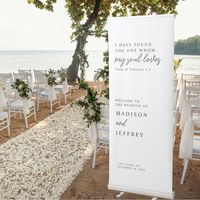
(72, 73)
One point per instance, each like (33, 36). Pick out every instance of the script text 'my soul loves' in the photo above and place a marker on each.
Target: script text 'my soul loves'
(145, 58)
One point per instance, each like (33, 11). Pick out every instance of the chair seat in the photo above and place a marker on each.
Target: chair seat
(44, 93)
(18, 104)
(58, 87)
(3, 115)
(196, 145)
(104, 140)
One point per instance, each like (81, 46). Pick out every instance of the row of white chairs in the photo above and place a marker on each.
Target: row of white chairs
(189, 106)
(10, 103)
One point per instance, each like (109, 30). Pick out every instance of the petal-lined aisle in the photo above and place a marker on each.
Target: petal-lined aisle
(44, 160)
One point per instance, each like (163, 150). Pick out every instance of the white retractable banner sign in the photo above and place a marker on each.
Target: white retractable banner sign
(141, 51)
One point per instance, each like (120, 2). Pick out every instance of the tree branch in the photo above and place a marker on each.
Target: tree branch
(94, 14)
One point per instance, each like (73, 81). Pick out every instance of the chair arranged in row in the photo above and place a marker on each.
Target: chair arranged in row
(40, 92)
(4, 116)
(190, 141)
(64, 89)
(4, 121)
(189, 148)
(25, 107)
(101, 133)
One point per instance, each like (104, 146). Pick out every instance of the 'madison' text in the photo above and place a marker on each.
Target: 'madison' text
(132, 114)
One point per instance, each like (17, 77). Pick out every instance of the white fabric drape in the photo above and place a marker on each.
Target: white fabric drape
(3, 102)
(65, 87)
(26, 106)
(186, 111)
(92, 135)
(51, 94)
(185, 149)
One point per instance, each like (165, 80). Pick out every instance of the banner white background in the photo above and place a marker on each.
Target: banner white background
(141, 80)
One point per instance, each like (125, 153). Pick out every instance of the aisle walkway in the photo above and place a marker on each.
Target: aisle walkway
(44, 160)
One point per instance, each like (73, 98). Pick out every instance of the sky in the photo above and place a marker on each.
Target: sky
(24, 27)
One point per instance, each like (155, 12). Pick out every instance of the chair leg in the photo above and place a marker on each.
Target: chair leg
(34, 110)
(38, 104)
(59, 97)
(65, 97)
(70, 95)
(94, 157)
(106, 151)
(8, 125)
(186, 161)
(51, 109)
(26, 121)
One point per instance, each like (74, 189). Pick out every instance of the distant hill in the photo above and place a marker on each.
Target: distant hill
(190, 46)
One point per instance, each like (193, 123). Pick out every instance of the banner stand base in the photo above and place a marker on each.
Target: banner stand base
(154, 198)
(155, 195)
(120, 194)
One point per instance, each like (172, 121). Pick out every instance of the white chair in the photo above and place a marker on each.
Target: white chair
(64, 89)
(190, 145)
(101, 133)
(49, 95)
(4, 121)
(190, 98)
(190, 84)
(45, 92)
(23, 106)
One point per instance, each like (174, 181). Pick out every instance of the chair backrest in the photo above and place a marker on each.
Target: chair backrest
(192, 83)
(5, 78)
(190, 77)
(40, 75)
(27, 72)
(24, 71)
(196, 147)
(3, 102)
(6, 81)
(192, 89)
(102, 127)
(23, 77)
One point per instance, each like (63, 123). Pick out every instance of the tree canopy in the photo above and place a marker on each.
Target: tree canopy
(189, 46)
(90, 16)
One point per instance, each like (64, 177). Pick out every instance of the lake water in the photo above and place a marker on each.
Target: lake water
(189, 64)
(11, 61)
